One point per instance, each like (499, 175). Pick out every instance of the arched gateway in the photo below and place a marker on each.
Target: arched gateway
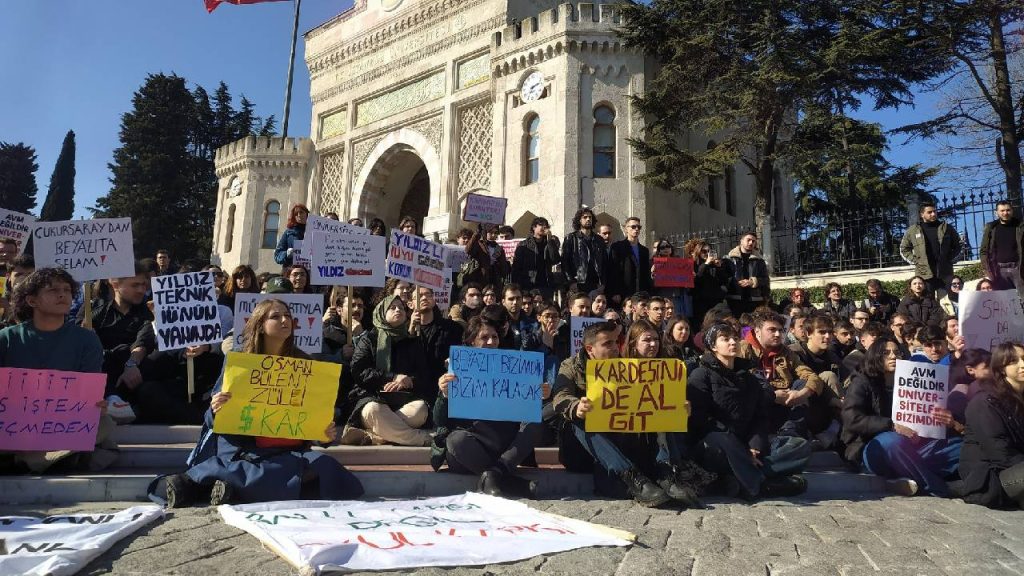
(401, 176)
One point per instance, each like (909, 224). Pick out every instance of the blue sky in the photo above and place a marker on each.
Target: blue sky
(77, 63)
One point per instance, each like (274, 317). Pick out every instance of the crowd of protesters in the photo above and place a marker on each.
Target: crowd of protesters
(768, 382)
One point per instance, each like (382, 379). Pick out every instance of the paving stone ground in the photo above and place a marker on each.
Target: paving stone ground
(890, 535)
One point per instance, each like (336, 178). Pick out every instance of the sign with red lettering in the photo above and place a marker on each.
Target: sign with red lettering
(673, 272)
(418, 260)
(637, 395)
(509, 247)
(920, 388)
(347, 259)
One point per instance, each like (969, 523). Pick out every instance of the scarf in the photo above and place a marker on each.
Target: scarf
(387, 334)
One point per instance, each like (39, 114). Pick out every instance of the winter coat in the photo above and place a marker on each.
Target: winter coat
(867, 412)
(576, 259)
(925, 309)
(993, 442)
(882, 309)
(787, 367)
(841, 310)
(914, 250)
(724, 400)
(531, 269)
(287, 241)
(481, 267)
(987, 248)
(407, 357)
(627, 276)
(757, 270)
(827, 361)
(437, 338)
(709, 288)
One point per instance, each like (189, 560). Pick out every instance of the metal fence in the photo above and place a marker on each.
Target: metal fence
(857, 240)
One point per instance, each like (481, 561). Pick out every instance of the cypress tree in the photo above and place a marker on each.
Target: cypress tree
(60, 198)
(17, 177)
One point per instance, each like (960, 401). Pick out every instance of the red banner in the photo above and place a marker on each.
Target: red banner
(673, 272)
(211, 5)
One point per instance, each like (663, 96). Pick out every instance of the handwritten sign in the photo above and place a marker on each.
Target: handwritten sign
(16, 226)
(918, 389)
(185, 306)
(443, 297)
(86, 249)
(49, 409)
(457, 256)
(307, 311)
(321, 224)
(348, 259)
(509, 247)
(502, 385)
(277, 396)
(300, 255)
(988, 319)
(417, 260)
(637, 395)
(673, 272)
(484, 209)
(577, 325)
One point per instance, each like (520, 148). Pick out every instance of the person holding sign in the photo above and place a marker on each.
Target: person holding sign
(493, 450)
(295, 231)
(730, 424)
(887, 448)
(256, 468)
(44, 341)
(992, 458)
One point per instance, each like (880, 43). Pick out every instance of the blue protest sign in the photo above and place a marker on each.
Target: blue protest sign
(501, 385)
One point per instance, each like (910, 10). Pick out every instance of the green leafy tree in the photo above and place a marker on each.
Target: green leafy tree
(60, 198)
(17, 177)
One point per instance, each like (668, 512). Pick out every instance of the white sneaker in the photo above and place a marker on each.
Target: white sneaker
(120, 410)
(901, 486)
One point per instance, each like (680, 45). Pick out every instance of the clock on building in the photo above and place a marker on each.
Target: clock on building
(532, 88)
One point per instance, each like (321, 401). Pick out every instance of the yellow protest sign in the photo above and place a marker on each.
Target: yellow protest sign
(277, 396)
(637, 395)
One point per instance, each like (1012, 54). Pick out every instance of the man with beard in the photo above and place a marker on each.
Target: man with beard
(1000, 253)
(584, 254)
(534, 258)
(932, 247)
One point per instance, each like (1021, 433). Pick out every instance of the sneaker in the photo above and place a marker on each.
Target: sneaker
(222, 493)
(691, 473)
(669, 480)
(181, 490)
(119, 410)
(643, 491)
(490, 483)
(518, 487)
(352, 436)
(784, 486)
(901, 486)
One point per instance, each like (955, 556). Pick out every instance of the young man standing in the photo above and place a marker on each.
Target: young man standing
(749, 285)
(1000, 252)
(932, 247)
(584, 254)
(629, 265)
(534, 259)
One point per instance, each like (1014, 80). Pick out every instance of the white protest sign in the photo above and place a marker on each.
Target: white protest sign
(577, 324)
(185, 309)
(457, 256)
(988, 319)
(920, 387)
(484, 209)
(321, 224)
(467, 530)
(16, 226)
(443, 297)
(348, 259)
(307, 311)
(417, 260)
(300, 255)
(87, 249)
(63, 545)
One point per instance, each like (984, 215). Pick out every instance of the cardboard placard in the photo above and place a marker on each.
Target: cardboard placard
(417, 260)
(185, 309)
(484, 209)
(500, 385)
(577, 325)
(17, 227)
(673, 272)
(321, 224)
(637, 395)
(306, 309)
(920, 387)
(988, 319)
(49, 409)
(443, 297)
(86, 249)
(348, 259)
(300, 255)
(277, 396)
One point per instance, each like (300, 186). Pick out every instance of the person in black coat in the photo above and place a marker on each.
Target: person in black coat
(393, 393)
(919, 304)
(730, 424)
(535, 258)
(836, 306)
(584, 254)
(629, 265)
(992, 458)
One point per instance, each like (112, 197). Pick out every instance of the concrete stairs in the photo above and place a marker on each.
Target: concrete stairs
(386, 471)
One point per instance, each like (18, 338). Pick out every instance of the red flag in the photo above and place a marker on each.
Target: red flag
(211, 5)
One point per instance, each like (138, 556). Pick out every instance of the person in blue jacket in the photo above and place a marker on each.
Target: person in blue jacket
(236, 468)
(296, 230)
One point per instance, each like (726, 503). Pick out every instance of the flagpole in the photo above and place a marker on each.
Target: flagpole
(291, 71)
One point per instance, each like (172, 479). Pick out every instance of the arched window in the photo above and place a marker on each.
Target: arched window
(604, 142)
(729, 189)
(271, 223)
(712, 184)
(531, 150)
(229, 241)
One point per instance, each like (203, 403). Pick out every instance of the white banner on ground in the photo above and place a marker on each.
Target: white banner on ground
(186, 312)
(919, 388)
(987, 319)
(87, 249)
(467, 530)
(16, 226)
(348, 259)
(307, 311)
(61, 545)
(577, 324)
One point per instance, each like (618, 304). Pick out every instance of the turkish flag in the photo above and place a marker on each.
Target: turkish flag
(211, 5)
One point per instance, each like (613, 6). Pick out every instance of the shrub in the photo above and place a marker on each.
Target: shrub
(859, 291)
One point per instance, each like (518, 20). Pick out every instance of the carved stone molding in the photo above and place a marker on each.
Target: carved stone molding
(332, 183)
(475, 141)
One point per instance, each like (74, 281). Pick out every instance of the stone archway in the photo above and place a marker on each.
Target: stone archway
(401, 175)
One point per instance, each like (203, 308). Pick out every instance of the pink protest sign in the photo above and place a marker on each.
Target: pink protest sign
(673, 272)
(509, 247)
(49, 409)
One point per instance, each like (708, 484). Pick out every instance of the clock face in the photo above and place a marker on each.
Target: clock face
(532, 87)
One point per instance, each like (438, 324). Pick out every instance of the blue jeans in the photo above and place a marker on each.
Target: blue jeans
(603, 450)
(925, 461)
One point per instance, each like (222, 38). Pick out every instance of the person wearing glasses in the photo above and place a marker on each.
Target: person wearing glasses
(629, 266)
(883, 447)
(1000, 254)
(949, 300)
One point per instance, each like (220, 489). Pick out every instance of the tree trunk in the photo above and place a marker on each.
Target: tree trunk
(1003, 94)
